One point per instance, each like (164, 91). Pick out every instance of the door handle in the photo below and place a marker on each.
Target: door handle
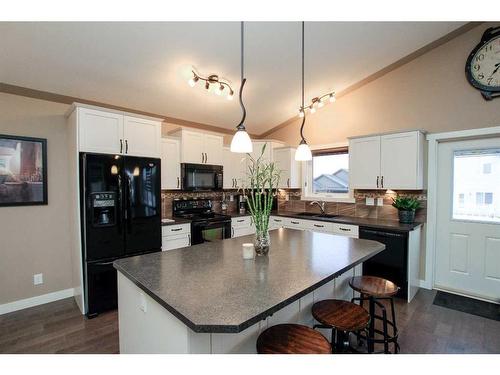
(202, 158)
(206, 157)
(178, 182)
(345, 229)
(189, 239)
(294, 222)
(377, 182)
(319, 226)
(175, 230)
(232, 232)
(382, 181)
(288, 182)
(121, 146)
(126, 146)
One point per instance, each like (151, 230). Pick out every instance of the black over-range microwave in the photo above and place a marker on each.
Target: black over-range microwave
(201, 176)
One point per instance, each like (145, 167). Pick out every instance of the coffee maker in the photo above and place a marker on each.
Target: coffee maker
(242, 204)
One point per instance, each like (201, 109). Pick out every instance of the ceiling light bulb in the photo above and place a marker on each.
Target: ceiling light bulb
(303, 152)
(193, 81)
(320, 103)
(220, 90)
(207, 85)
(241, 142)
(313, 109)
(301, 113)
(230, 96)
(332, 98)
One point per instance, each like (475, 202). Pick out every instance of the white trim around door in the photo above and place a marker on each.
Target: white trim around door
(432, 174)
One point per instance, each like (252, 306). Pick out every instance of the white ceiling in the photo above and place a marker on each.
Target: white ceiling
(145, 66)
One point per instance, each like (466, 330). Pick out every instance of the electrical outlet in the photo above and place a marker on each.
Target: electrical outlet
(380, 201)
(143, 303)
(370, 201)
(38, 279)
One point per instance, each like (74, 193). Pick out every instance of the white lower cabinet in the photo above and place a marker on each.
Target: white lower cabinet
(176, 236)
(242, 226)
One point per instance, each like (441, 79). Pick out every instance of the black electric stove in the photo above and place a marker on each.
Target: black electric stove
(206, 225)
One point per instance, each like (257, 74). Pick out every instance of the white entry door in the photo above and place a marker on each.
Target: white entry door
(468, 218)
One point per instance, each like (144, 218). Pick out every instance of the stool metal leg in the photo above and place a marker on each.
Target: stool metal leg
(371, 329)
(386, 333)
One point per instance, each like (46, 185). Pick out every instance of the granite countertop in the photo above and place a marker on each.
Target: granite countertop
(392, 225)
(211, 288)
(175, 221)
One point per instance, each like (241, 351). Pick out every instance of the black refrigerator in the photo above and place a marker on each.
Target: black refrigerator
(120, 216)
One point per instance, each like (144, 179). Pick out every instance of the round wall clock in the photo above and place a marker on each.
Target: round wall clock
(483, 64)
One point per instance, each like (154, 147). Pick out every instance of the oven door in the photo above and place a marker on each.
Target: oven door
(201, 177)
(206, 231)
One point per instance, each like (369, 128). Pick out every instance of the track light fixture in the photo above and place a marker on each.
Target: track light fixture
(213, 79)
(317, 103)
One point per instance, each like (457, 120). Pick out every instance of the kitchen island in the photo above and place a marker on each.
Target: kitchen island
(208, 299)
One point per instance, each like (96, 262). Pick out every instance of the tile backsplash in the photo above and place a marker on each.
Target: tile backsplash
(295, 204)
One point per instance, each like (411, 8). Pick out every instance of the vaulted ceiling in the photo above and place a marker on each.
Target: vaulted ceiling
(145, 66)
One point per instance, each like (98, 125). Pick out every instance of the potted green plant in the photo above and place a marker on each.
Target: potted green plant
(406, 208)
(263, 179)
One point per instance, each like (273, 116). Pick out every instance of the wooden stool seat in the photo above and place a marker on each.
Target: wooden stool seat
(292, 339)
(373, 286)
(342, 315)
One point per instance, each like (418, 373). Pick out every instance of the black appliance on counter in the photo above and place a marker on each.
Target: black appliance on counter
(206, 225)
(120, 215)
(201, 177)
(391, 263)
(242, 204)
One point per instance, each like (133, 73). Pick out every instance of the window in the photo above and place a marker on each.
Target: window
(476, 182)
(328, 174)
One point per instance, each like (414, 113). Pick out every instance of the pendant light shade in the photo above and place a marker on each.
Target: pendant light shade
(303, 152)
(241, 142)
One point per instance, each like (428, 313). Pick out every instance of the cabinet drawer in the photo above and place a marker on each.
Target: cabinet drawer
(346, 230)
(294, 223)
(320, 226)
(175, 242)
(176, 229)
(244, 221)
(275, 222)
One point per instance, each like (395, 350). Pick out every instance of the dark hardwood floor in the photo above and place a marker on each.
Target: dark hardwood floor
(59, 327)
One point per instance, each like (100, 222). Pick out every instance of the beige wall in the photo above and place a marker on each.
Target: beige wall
(35, 239)
(430, 92)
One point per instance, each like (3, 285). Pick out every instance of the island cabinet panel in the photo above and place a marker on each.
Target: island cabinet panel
(237, 343)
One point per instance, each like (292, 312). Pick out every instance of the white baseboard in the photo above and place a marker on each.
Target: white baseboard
(35, 301)
(425, 284)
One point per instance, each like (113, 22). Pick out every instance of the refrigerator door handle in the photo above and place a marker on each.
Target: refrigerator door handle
(120, 203)
(104, 263)
(127, 207)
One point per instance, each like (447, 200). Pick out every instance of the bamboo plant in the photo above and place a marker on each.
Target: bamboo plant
(263, 179)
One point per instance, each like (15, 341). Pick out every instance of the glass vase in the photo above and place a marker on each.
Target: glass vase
(262, 242)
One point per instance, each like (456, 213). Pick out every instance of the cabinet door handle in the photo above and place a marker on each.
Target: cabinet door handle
(382, 181)
(345, 229)
(178, 182)
(121, 146)
(294, 222)
(126, 146)
(232, 232)
(206, 157)
(240, 221)
(202, 158)
(234, 182)
(377, 182)
(175, 230)
(288, 182)
(277, 221)
(319, 226)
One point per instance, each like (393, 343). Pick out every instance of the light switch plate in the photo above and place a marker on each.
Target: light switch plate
(380, 201)
(370, 201)
(38, 279)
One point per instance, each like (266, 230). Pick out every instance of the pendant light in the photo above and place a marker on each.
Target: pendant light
(241, 142)
(303, 152)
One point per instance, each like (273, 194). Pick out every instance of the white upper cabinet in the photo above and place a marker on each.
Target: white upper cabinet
(142, 137)
(401, 160)
(391, 161)
(170, 164)
(213, 149)
(257, 149)
(100, 132)
(200, 148)
(234, 169)
(109, 132)
(290, 168)
(364, 163)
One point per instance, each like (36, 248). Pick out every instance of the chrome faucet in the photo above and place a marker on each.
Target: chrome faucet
(320, 204)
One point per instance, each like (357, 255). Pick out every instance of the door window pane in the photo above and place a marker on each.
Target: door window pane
(476, 183)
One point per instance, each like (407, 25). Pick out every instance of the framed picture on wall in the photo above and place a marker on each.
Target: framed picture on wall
(23, 171)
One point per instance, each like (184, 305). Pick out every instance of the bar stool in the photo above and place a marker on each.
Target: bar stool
(375, 289)
(292, 339)
(342, 317)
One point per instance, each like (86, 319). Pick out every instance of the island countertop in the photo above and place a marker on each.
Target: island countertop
(211, 288)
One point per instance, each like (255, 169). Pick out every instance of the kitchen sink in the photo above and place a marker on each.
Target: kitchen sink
(314, 214)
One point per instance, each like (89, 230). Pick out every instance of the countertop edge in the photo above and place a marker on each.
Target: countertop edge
(200, 328)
